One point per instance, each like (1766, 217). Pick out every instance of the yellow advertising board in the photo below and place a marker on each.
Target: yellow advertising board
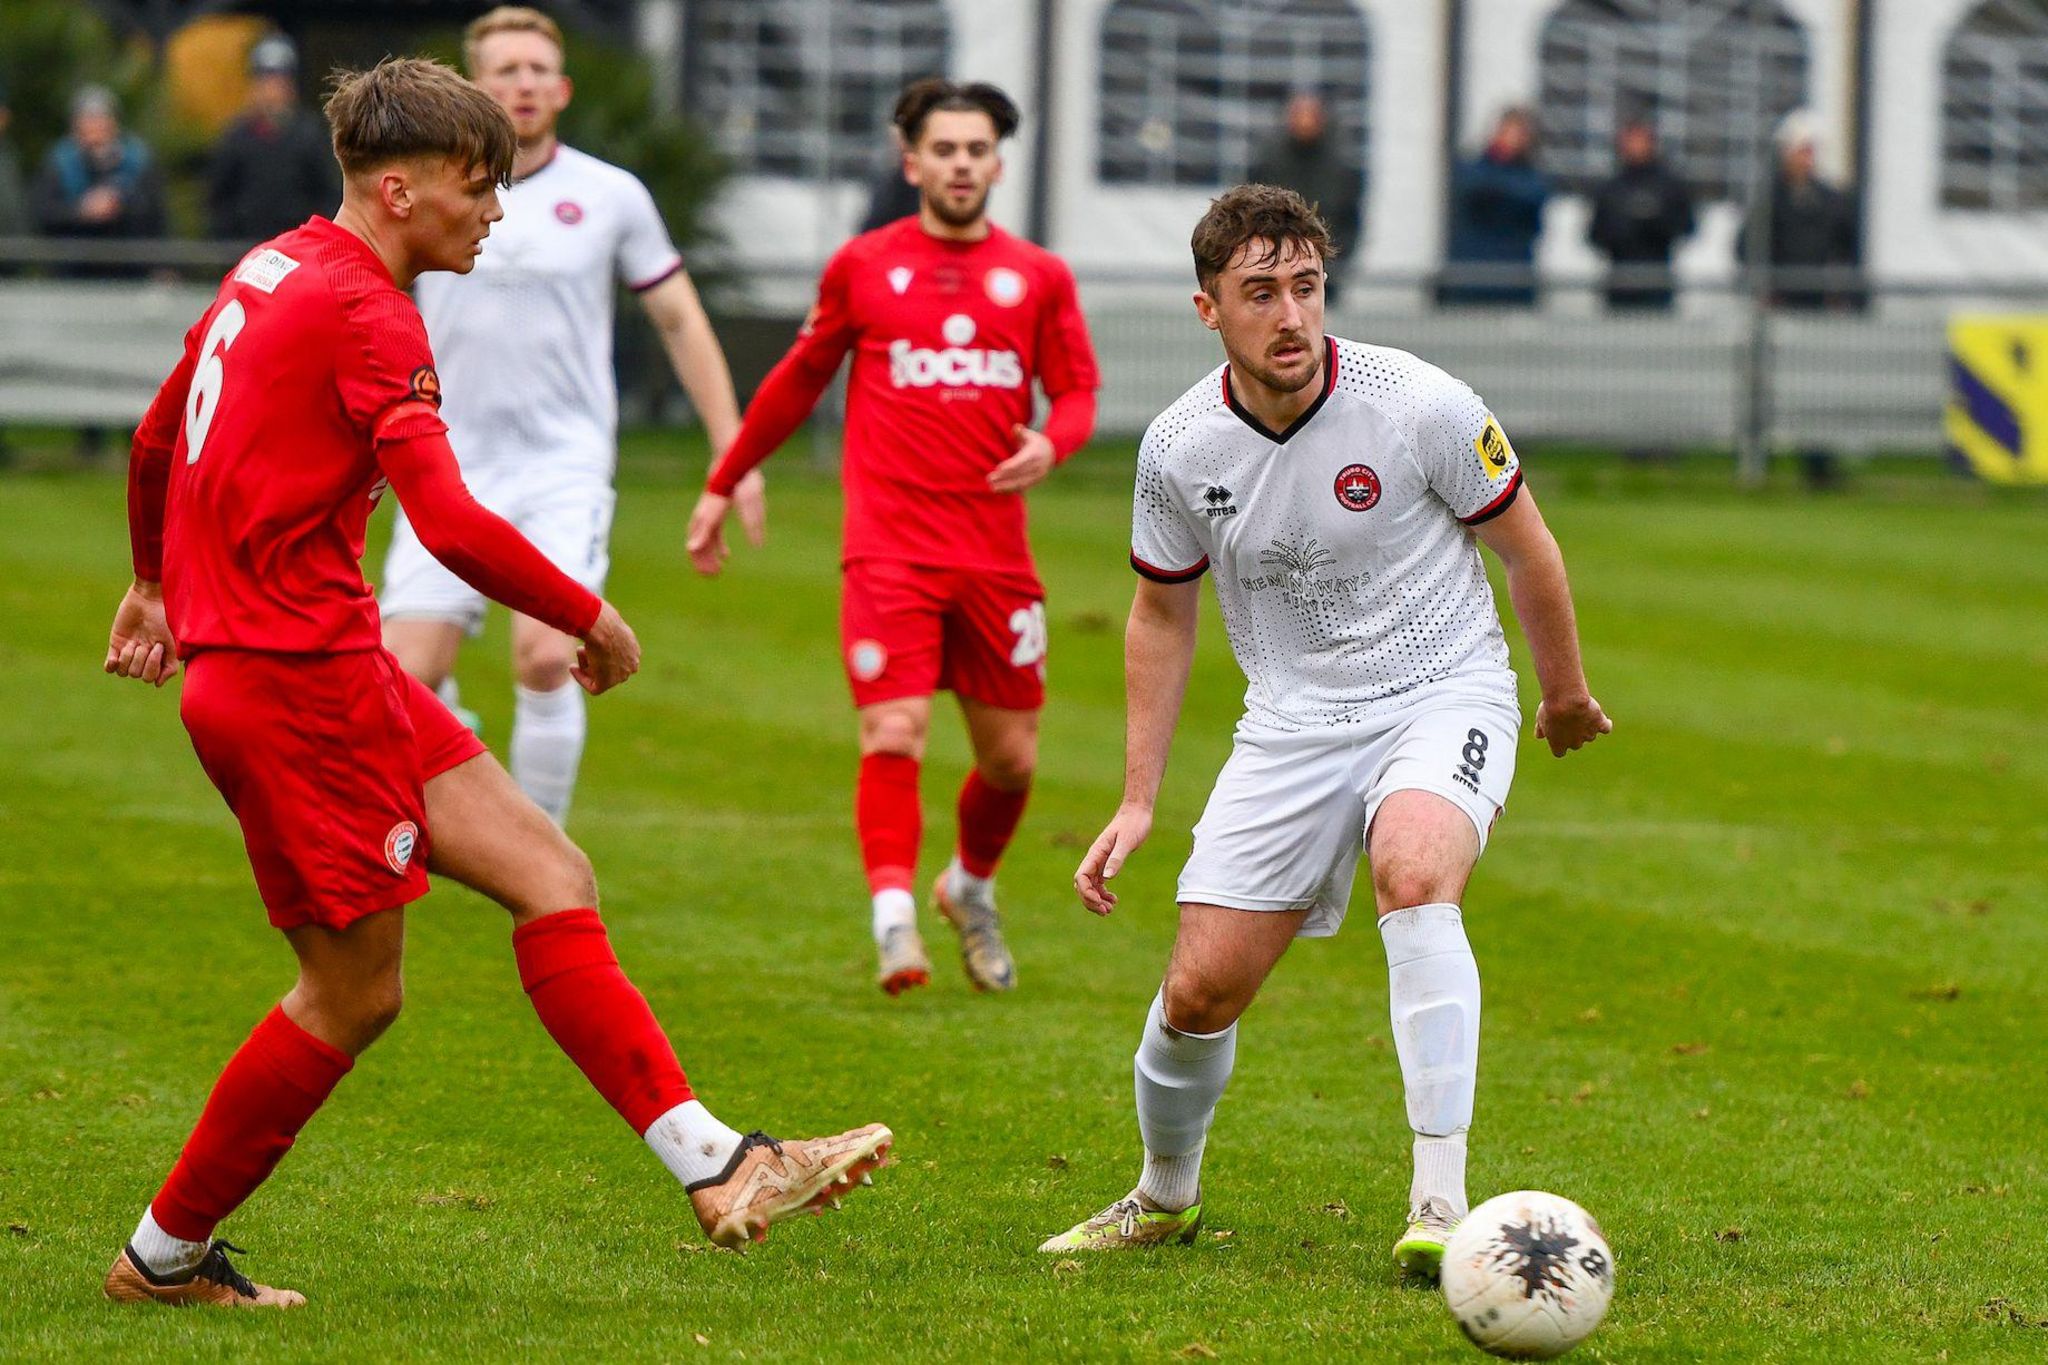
(1997, 414)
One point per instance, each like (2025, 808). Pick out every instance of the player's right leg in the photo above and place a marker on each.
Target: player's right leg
(889, 820)
(327, 793)
(892, 631)
(1274, 856)
(490, 836)
(1221, 956)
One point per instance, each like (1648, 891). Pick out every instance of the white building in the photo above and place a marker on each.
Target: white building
(1936, 111)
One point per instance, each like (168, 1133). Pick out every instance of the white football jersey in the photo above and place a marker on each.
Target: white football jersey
(523, 343)
(1343, 560)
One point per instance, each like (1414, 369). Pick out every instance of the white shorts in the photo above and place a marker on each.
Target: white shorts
(568, 519)
(1291, 812)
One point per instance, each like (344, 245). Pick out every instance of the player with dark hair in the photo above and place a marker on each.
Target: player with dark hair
(1338, 489)
(948, 319)
(305, 388)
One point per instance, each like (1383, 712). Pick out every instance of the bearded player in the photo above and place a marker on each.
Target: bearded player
(1340, 493)
(304, 389)
(524, 343)
(948, 318)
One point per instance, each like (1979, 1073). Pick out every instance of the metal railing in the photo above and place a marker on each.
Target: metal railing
(1861, 366)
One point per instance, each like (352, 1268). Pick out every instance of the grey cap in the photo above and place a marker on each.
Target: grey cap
(94, 99)
(274, 55)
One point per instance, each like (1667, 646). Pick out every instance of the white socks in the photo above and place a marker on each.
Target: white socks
(1433, 993)
(161, 1253)
(692, 1143)
(893, 907)
(1180, 1077)
(547, 745)
(964, 885)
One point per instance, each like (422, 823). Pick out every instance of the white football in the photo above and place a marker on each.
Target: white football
(1528, 1275)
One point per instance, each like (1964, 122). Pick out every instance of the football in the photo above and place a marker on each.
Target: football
(1528, 1275)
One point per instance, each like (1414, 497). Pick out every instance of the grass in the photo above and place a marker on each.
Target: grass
(1763, 977)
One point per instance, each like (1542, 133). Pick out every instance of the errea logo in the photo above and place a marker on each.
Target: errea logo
(959, 366)
(1217, 502)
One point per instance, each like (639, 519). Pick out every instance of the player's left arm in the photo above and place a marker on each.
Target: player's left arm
(1068, 374)
(1568, 717)
(678, 315)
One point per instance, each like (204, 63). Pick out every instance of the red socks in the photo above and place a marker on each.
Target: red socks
(596, 1015)
(988, 817)
(272, 1085)
(889, 819)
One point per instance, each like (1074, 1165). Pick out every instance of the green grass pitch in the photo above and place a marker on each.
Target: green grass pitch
(1764, 977)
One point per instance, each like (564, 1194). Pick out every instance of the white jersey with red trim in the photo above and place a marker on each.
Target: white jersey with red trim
(1344, 562)
(524, 341)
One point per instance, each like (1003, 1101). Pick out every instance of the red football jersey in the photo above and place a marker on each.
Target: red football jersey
(308, 357)
(947, 338)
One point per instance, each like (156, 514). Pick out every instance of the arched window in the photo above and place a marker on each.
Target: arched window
(1994, 109)
(1714, 75)
(1192, 88)
(793, 87)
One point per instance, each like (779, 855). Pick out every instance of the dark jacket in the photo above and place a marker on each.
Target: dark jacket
(1318, 174)
(1638, 217)
(890, 197)
(1812, 226)
(269, 176)
(1496, 217)
(68, 174)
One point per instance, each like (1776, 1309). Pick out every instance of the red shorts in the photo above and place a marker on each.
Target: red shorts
(324, 758)
(908, 630)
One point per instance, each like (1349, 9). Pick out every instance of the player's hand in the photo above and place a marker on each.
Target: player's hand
(750, 500)
(610, 653)
(140, 644)
(1032, 462)
(1105, 858)
(1571, 723)
(706, 542)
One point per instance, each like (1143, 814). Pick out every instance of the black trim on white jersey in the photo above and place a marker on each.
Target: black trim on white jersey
(663, 278)
(1159, 575)
(1280, 438)
(1499, 504)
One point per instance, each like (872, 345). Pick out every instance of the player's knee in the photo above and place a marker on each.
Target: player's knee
(893, 732)
(1010, 767)
(380, 1005)
(1400, 883)
(541, 667)
(1196, 1003)
(574, 879)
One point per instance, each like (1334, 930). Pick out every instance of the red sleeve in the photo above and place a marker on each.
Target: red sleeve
(149, 463)
(792, 388)
(383, 362)
(478, 546)
(1066, 357)
(1071, 422)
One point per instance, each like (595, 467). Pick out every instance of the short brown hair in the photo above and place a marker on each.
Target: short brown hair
(921, 99)
(408, 107)
(1251, 213)
(507, 19)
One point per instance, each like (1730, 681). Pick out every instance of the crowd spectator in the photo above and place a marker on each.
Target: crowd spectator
(273, 168)
(99, 183)
(1638, 217)
(891, 196)
(1305, 158)
(14, 216)
(1815, 237)
(1497, 203)
(1814, 234)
